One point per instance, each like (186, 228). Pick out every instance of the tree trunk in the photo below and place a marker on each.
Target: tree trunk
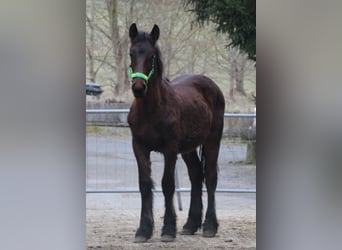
(91, 47)
(240, 74)
(119, 49)
(232, 77)
(236, 69)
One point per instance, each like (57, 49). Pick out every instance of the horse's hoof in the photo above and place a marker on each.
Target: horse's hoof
(140, 239)
(167, 238)
(186, 231)
(208, 234)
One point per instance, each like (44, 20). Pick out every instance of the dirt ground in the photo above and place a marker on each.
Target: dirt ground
(111, 226)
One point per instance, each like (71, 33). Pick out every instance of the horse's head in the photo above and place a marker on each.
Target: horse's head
(143, 53)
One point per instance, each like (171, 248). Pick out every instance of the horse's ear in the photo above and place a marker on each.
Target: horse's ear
(155, 33)
(133, 31)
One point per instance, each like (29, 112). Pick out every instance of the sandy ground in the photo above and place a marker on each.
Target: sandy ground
(111, 226)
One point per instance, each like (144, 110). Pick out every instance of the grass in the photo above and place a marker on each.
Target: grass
(107, 130)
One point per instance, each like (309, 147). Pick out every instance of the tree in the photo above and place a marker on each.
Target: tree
(236, 71)
(186, 47)
(92, 57)
(234, 17)
(235, 65)
(120, 47)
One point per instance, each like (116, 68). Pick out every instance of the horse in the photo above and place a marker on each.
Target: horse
(173, 117)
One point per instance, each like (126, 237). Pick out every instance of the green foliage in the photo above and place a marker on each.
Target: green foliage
(234, 17)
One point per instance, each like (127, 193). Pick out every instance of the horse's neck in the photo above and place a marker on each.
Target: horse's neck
(156, 97)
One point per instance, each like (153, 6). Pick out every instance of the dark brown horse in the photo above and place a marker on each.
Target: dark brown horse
(170, 118)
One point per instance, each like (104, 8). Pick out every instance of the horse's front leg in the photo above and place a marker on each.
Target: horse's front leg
(168, 185)
(145, 229)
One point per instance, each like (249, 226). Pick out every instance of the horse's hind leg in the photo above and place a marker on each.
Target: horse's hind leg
(211, 150)
(195, 171)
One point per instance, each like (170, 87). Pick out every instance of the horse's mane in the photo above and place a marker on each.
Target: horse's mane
(143, 37)
(159, 61)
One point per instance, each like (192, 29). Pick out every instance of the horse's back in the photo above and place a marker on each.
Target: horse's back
(193, 87)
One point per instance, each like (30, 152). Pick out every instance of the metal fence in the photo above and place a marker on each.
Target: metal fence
(111, 166)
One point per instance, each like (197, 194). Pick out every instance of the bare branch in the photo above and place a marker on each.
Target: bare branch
(102, 61)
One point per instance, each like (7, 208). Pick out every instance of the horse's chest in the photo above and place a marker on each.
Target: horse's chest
(150, 136)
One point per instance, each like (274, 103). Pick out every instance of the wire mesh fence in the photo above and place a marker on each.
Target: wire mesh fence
(111, 165)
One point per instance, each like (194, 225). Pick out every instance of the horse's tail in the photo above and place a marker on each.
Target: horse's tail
(202, 160)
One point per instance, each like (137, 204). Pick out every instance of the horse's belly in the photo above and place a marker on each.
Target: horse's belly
(189, 145)
(194, 135)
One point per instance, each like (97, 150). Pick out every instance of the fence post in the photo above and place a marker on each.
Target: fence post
(179, 198)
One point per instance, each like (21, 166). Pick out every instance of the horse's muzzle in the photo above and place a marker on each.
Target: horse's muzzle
(139, 89)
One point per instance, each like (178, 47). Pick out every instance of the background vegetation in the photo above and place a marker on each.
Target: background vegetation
(186, 47)
(234, 17)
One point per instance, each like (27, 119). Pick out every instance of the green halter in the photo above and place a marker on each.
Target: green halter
(142, 75)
